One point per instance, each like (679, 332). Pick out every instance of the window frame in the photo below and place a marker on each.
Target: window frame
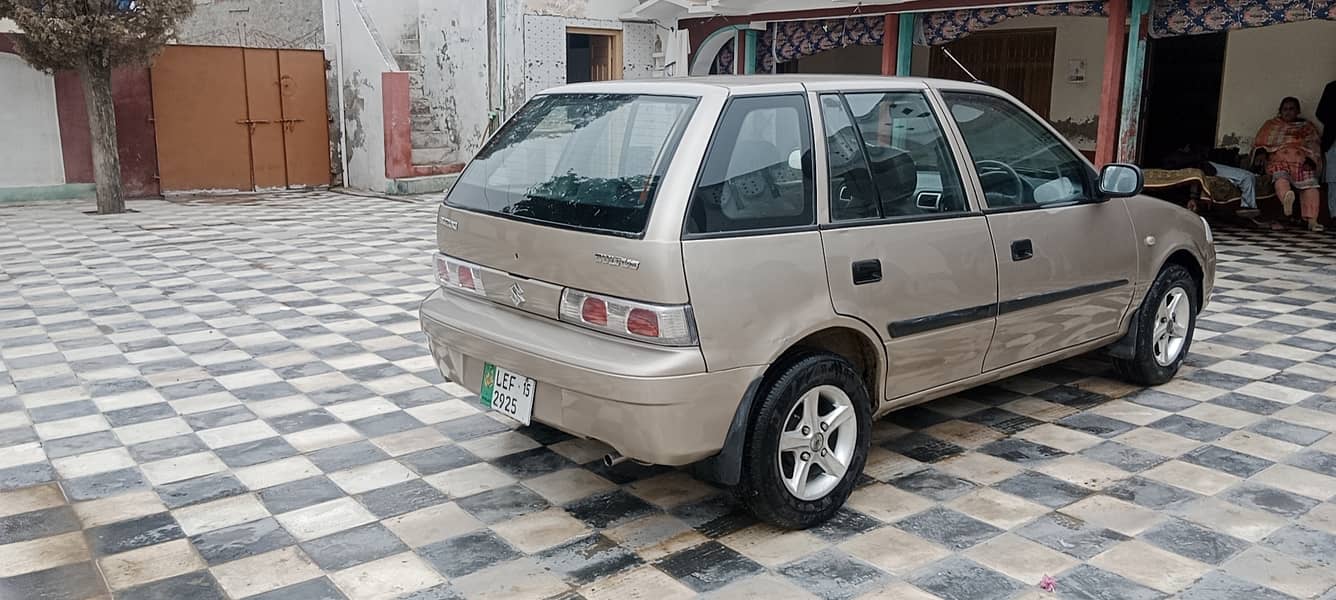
(1090, 174)
(948, 136)
(812, 198)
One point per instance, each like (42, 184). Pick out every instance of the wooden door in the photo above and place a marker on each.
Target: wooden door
(1018, 61)
(199, 110)
(240, 118)
(605, 52)
(305, 116)
(265, 112)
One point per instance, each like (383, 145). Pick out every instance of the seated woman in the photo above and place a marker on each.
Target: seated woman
(1293, 156)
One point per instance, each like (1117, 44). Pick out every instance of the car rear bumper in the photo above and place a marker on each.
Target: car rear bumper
(650, 403)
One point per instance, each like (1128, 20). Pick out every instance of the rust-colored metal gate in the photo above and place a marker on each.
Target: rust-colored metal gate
(240, 118)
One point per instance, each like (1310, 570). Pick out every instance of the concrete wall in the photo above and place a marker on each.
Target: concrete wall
(1266, 64)
(363, 121)
(255, 24)
(1074, 109)
(397, 22)
(30, 154)
(608, 10)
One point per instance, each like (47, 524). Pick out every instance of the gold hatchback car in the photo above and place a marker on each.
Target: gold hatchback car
(741, 273)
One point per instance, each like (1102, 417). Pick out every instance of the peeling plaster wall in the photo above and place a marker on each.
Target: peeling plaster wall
(255, 24)
(364, 118)
(1255, 81)
(456, 73)
(1074, 107)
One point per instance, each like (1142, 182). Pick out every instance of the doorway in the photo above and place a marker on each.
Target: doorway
(593, 54)
(1182, 94)
(1018, 61)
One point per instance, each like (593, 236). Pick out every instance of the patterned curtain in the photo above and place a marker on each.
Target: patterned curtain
(792, 40)
(1171, 18)
(947, 26)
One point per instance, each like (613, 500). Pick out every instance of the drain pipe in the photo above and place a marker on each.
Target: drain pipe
(498, 113)
(338, 70)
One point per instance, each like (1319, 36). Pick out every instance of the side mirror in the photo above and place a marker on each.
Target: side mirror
(1120, 180)
(796, 160)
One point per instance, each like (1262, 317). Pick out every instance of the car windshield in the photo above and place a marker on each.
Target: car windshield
(586, 161)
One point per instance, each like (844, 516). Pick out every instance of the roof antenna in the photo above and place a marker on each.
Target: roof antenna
(962, 67)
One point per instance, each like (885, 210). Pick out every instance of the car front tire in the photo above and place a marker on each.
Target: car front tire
(1165, 324)
(807, 443)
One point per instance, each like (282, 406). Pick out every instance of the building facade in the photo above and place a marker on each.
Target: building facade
(1122, 79)
(412, 87)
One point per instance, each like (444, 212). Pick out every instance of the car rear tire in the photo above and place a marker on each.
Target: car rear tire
(1165, 324)
(807, 443)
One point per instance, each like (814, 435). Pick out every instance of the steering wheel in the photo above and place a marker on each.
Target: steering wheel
(993, 169)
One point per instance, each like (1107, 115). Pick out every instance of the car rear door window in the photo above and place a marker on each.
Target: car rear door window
(584, 161)
(757, 173)
(889, 158)
(1020, 162)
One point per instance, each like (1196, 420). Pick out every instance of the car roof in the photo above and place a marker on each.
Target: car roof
(747, 84)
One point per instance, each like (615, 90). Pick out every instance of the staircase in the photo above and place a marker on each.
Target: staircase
(431, 170)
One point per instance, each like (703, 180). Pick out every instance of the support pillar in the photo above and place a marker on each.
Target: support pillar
(1134, 76)
(890, 45)
(904, 54)
(739, 51)
(1111, 86)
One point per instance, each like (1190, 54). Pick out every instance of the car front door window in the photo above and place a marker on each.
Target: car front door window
(1020, 162)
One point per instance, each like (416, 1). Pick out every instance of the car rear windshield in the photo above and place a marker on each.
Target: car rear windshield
(585, 161)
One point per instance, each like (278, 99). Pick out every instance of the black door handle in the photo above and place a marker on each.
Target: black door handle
(867, 271)
(1022, 250)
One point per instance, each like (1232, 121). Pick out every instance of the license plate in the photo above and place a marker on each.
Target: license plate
(507, 392)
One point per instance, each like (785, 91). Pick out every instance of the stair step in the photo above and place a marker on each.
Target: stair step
(409, 62)
(422, 122)
(428, 184)
(411, 43)
(430, 139)
(430, 156)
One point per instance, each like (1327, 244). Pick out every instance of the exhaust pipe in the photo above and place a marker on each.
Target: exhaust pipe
(613, 459)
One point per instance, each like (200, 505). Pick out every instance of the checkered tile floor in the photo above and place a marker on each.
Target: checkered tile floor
(231, 399)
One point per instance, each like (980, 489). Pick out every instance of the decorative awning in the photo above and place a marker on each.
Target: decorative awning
(788, 41)
(1171, 18)
(792, 40)
(944, 27)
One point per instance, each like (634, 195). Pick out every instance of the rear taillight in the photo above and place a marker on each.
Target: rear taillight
(456, 275)
(594, 311)
(667, 325)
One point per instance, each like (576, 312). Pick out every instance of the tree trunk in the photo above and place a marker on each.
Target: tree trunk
(102, 125)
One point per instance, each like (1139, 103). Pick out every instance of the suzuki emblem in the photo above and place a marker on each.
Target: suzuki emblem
(516, 294)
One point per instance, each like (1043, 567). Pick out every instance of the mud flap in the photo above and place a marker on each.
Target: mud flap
(1126, 347)
(726, 467)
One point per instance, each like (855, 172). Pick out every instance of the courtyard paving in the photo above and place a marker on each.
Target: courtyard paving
(231, 398)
